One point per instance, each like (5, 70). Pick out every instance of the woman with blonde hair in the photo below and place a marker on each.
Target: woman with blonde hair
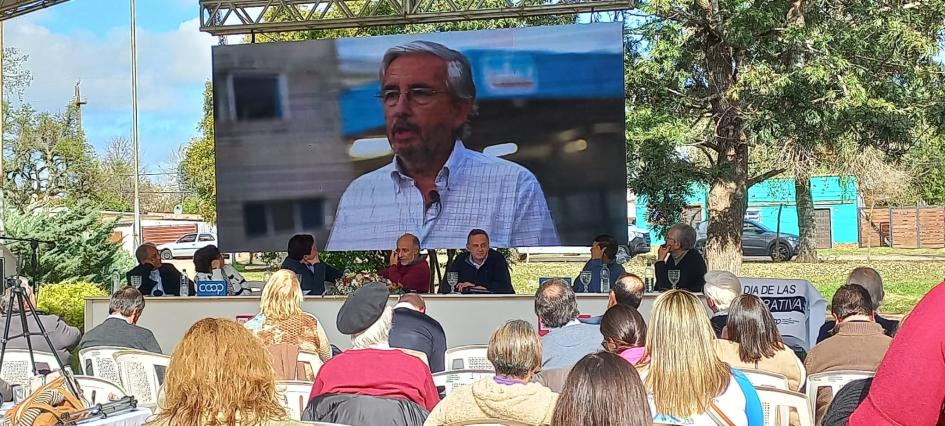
(284, 328)
(201, 389)
(515, 351)
(685, 380)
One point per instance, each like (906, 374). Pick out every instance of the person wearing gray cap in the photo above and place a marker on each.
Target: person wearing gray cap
(371, 368)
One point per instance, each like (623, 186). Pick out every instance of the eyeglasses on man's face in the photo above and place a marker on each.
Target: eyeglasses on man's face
(416, 96)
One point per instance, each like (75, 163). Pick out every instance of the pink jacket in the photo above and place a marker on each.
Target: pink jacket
(909, 387)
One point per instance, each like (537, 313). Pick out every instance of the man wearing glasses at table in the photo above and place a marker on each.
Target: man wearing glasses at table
(436, 188)
(677, 256)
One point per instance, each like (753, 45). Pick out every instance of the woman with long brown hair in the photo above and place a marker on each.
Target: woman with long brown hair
(602, 390)
(686, 380)
(753, 341)
(624, 333)
(220, 375)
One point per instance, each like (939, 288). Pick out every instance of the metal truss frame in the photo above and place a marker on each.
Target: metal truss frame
(231, 17)
(13, 8)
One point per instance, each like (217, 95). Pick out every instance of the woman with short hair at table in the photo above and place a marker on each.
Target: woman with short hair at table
(285, 329)
(220, 374)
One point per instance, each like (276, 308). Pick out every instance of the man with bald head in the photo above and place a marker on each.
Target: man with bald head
(414, 329)
(869, 279)
(157, 278)
(406, 267)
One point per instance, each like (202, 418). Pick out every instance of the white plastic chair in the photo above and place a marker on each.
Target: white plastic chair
(313, 361)
(835, 380)
(17, 368)
(294, 396)
(453, 379)
(774, 399)
(139, 374)
(765, 378)
(97, 390)
(469, 357)
(99, 362)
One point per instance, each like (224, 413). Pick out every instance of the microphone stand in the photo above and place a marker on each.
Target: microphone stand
(34, 254)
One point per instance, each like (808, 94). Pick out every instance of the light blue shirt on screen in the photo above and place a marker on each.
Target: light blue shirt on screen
(476, 191)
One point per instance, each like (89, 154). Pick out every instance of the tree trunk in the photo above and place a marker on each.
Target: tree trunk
(806, 224)
(728, 193)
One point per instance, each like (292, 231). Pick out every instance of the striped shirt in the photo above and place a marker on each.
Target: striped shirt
(476, 191)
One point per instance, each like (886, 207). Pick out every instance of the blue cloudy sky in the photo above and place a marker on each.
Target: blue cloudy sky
(88, 40)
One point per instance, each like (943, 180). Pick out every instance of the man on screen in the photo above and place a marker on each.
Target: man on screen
(436, 188)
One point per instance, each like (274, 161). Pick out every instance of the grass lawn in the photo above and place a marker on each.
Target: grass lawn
(905, 281)
(854, 250)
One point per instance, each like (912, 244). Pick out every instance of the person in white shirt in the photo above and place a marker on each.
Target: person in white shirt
(436, 188)
(210, 266)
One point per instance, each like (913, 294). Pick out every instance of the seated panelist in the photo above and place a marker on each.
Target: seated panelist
(481, 269)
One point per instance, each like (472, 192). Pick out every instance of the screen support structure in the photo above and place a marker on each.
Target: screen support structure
(13, 8)
(232, 17)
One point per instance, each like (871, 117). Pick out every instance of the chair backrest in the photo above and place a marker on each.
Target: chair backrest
(312, 363)
(97, 390)
(469, 357)
(294, 396)
(17, 368)
(765, 378)
(142, 374)
(453, 379)
(99, 362)
(835, 380)
(780, 401)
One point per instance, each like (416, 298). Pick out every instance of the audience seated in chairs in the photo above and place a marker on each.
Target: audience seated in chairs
(721, 288)
(120, 329)
(515, 351)
(63, 336)
(687, 382)
(220, 374)
(624, 333)
(210, 266)
(285, 329)
(753, 341)
(568, 339)
(371, 383)
(858, 343)
(602, 390)
(909, 386)
(869, 279)
(414, 329)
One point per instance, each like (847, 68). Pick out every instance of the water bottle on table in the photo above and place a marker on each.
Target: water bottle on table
(649, 277)
(604, 279)
(116, 280)
(184, 287)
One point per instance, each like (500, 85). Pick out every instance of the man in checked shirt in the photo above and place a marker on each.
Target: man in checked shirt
(436, 188)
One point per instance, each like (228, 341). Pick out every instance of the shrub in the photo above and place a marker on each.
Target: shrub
(67, 300)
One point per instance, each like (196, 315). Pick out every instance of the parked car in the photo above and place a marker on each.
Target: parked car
(639, 240)
(186, 246)
(758, 240)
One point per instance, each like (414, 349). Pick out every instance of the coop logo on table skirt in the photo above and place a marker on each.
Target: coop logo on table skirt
(211, 288)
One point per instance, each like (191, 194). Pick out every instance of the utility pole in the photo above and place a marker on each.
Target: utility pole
(136, 232)
(79, 102)
(3, 174)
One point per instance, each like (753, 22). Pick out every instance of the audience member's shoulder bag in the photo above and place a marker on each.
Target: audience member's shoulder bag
(45, 407)
(716, 414)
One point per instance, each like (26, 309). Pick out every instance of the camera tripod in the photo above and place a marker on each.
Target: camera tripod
(19, 297)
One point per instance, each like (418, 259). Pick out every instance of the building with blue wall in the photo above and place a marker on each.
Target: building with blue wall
(835, 200)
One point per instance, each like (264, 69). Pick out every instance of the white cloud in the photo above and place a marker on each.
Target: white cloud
(167, 61)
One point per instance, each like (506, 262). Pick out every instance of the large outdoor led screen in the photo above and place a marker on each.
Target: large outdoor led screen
(519, 132)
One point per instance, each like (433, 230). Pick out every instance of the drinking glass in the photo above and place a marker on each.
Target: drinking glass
(673, 276)
(585, 279)
(453, 279)
(136, 281)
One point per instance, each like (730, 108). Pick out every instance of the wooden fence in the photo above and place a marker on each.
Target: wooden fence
(902, 227)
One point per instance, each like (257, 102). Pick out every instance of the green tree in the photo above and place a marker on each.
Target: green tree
(197, 171)
(805, 79)
(47, 159)
(928, 169)
(83, 250)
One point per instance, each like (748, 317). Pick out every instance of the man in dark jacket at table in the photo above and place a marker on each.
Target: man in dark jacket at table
(157, 278)
(304, 261)
(677, 254)
(481, 269)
